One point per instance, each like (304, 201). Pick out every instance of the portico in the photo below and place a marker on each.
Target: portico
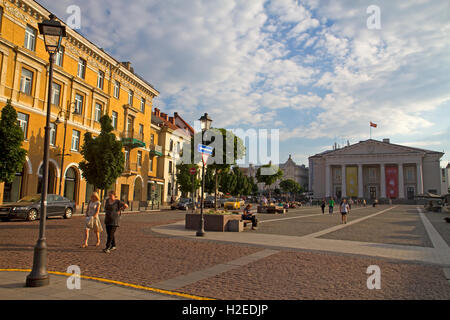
(375, 170)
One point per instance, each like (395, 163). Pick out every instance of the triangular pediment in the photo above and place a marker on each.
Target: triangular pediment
(374, 147)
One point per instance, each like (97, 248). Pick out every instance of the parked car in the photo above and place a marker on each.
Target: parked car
(28, 208)
(232, 204)
(183, 204)
(209, 202)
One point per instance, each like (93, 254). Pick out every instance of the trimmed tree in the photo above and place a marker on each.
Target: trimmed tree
(184, 178)
(269, 179)
(290, 186)
(12, 155)
(103, 157)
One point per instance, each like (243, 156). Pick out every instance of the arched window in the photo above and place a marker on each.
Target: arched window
(70, 184)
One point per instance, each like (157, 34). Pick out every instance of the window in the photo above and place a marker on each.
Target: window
(98, 111)
(81, 68)
(171, 145)
(22, 119)
(130, 98)
(409, 173)
(116, 89)
(139, 158)
(150, 163)
(30, 38)
(56, 93)
(130, 124)
(115, 117)
(75, 140)
(79, 101)
(152, 138)
(372, 174)
(26, 81)
(141, 131)
(127, 157)
(178, 147)
(170, 166)
(52, 133)
(59, 56)
(100, 79)
(142, 105)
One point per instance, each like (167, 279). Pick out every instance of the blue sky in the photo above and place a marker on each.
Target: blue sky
(309, 68)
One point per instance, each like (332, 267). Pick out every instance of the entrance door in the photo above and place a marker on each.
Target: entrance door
(410, 192)
(338, 192)
(124, 189)
(373, 192)
(13, 191)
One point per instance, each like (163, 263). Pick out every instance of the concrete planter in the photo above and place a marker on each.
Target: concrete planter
(213, 222)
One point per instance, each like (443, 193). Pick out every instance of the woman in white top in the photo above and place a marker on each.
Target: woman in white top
(92, 219)
(345, 209)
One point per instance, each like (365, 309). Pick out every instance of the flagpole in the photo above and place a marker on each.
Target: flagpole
(370, 131)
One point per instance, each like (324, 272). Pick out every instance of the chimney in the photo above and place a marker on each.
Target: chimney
(386, 140)
(172, 120)
(157, 112)
(175, 114)
(126, 64)
(164, 116)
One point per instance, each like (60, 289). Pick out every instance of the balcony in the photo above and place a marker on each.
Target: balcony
(130, 168)
(155, 150)
(132, 139)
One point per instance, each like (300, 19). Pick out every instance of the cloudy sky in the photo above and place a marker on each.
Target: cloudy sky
(312, 69)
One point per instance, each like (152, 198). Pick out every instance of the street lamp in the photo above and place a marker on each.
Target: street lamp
(53, 33)
(205, 122)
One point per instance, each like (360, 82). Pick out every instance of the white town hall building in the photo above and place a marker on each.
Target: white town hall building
(373, 169)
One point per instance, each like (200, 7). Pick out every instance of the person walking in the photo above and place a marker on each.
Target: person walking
(322, 205)
(92, 219)
(248, 215)
(345, 209)
(113, 208)
(364, 202)
(331, 206)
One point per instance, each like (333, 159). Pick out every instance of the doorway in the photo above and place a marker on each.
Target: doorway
(373, 193)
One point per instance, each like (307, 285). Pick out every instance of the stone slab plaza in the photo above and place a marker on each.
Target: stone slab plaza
(302, 254)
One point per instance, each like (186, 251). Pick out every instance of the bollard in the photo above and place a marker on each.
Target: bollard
(82, 208)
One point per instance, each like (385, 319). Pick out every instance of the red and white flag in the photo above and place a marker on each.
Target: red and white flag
(373, 124)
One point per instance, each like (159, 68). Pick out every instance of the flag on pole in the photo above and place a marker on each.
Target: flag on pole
(373, 124)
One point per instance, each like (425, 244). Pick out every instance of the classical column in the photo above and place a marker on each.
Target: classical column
(360, 181)
(382, 181)
(343, 182)
(401, 183)
(327, 180)
(419, 178)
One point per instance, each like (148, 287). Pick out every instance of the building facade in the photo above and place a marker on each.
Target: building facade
(374, 169)
(445, 182)
(88, 83)
(174, 132)
(298, 173)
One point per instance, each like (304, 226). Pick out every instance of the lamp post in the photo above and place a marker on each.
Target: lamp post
(205, 122)
(53, 33)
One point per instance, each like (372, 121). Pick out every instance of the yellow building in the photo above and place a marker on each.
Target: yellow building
(88, 83)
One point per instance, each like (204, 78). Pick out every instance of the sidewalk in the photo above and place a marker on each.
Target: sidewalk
(12, 287)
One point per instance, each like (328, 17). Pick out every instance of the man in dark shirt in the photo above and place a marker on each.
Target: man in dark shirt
(247, 215)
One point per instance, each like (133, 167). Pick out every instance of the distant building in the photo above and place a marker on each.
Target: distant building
(298, 173)
(445, 182)
(374, 169)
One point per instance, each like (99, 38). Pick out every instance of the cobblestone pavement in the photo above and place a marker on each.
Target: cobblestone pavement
(402, 227)
(304, 275)
(141, 257)
(441, 226)
(155, 250)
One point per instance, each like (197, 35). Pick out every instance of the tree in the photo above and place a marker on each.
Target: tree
(269, 176)
(184, 178)
(241, 182)
(229, 157)
(210, 181)
(228, 182)
(103, 157)
(12, 155)
(290, 186)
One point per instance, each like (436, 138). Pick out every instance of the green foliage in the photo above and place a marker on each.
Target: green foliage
(241, 186)
(290, 186)
(103, 157)
(210, 180)
(12, 155)
(184, 178)
(269, 179)
(228, 182)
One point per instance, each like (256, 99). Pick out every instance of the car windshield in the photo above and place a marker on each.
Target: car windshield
(33, 198)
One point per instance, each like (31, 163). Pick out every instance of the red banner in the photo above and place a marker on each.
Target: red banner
(391, 182)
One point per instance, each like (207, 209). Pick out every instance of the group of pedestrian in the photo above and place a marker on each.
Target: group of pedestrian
(113, 210)
(344, 208)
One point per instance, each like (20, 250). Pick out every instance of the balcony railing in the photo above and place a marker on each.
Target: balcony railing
(156, 150)
(130, 168)
(132, 139)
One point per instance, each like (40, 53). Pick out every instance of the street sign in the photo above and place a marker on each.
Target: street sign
(205, 149)
(205, 157)
(193, 171)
